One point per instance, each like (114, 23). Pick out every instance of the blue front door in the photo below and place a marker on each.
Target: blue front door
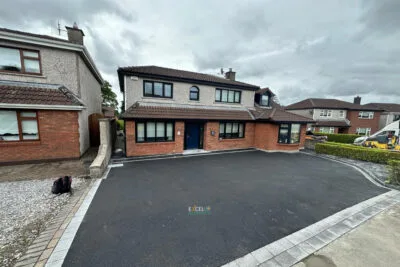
(192, 135)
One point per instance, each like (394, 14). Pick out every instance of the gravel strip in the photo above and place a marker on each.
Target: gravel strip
(26, 207)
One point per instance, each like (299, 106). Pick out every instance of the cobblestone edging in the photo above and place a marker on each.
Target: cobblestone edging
(299, 245)
(42, 247)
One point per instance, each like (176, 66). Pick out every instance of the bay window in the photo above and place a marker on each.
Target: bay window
(152, 131)
(19, 60)
(289, 133)
(229, 130)
(18, 125)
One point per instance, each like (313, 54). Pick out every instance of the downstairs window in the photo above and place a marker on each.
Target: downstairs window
(289, 133)
(18, 125)
(229, 130)
(154, 131)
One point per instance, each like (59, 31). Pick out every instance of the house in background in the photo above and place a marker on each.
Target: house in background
(48, 89)
(171, 111)
(390, 112)
(337, 116)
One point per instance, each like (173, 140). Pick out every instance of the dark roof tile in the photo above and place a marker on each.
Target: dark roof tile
(181, 74)
(327, 103)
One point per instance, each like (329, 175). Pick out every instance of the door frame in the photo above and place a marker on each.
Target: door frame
(201, 134)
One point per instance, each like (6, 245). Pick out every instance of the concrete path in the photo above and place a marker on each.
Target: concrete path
(374, 243)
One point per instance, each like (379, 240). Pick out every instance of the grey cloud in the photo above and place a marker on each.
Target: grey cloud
(381, 16)
(26, 11)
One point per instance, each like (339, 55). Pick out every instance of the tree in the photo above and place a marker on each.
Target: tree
(109, 97)
(122, 106)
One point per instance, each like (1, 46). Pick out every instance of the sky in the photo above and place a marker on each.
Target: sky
(299, 49)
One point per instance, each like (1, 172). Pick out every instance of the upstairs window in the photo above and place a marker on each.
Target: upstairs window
(325, 113)
(18, 125)
(227, 96)
(366, 115)
(157, 89)
(341, 113)
(19, 60)
(194, 93)
(264, 101)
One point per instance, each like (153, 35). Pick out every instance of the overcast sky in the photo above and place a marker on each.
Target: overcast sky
(300, 49)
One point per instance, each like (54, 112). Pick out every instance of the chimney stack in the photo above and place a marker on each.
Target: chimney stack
(357, 100)
(231, 75)
(75, 35)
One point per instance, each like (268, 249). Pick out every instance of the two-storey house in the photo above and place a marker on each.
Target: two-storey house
(48, 89)
(170, 111)
(336, 116)
(390, 112)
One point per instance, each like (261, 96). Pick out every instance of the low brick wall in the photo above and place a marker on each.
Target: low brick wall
(266, 138)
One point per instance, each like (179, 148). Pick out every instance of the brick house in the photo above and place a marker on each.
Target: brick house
(337, 116)
(48, 89)
(173, 111)
(390, 112)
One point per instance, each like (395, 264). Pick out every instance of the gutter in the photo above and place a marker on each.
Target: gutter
(38, 106)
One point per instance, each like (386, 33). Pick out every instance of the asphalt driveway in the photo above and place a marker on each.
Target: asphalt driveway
(139, 216)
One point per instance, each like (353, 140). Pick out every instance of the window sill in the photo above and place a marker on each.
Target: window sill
(158, 98)
(23, 74)
(154, 143)
(19, 143)
(231, 139)
(227, 103)
(282, 144)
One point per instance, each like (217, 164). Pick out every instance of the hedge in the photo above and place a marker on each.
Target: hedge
(356, 152)
(120, 124)
(340, 138)
(394, 172)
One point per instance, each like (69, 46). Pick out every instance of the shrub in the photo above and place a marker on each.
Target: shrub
(340, 138)
(120, 124)
(394, 169)
(356, 152)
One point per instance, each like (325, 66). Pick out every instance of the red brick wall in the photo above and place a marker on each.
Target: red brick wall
(352, 116)
(266, 137)
(156, 148)
(59, 139)
(213, 142)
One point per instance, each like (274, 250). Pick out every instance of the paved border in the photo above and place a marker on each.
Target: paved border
(295, 247)
(41, 248)
(60, 251)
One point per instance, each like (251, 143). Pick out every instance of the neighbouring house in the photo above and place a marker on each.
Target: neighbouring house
(390, 112)
(48, 89)
(337, 116)
(170, 111)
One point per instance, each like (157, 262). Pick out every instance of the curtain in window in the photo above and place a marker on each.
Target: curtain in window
(8, 125)
(158, 89)
(167, 90)
(170, 131)
(224, 96)
(29, 130)
(295, 134)
(148, 88)
(140, 132)
(151, 131)
(231, 96)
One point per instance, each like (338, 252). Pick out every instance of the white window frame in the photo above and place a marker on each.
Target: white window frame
(329, 130)
(365, 131)
(325, 113)
(341, 113)
(366, 115)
